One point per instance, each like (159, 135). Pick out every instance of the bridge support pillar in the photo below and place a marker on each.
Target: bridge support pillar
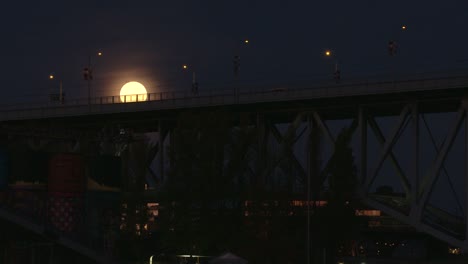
(466, 179)
(262, 139)
(362, 123)
(161, 138)
(414, 201)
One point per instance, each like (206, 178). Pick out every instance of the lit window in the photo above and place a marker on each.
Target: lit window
(373, 213)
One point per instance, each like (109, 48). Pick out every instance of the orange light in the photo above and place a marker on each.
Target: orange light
(184, 66)
(327, 53)
(403, 27)
(51, 76)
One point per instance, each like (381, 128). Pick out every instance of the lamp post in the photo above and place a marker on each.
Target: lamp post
(393, 43)
(336, 70)
(393, 47)
(185, 67)
(61, 95)
(236, 64)
(236, 58)
(88, 75)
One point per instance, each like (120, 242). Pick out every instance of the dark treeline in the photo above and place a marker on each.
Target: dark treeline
(217, 196)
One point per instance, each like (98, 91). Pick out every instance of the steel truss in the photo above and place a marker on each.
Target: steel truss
(278, 139)
(412, 207)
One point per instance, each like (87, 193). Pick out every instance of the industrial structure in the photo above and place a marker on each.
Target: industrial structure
(81, 172)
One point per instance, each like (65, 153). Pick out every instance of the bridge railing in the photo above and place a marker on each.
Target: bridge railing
(233, 95)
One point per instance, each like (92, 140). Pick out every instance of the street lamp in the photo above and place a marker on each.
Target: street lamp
(236, 63)
(336, 70)
(60, 96)
(236, 59)
(88, 75)
(393, 43)
(185, 67)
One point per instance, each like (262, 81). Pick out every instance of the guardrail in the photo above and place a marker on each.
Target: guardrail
(235, 95)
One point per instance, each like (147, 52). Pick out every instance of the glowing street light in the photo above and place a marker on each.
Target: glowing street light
(337, 71)
(194, 79)
(403, 27)
(60, 96)
(88, 74)
(236, 58)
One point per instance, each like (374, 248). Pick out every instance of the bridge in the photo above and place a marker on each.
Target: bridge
(284, 118)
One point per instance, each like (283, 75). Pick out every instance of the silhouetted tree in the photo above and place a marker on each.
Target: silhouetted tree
(337, 219)
(201, 195)
(215, 171)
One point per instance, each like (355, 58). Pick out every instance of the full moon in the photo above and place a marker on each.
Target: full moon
(131, 90)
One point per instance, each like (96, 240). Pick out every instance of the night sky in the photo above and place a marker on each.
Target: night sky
(148, 41)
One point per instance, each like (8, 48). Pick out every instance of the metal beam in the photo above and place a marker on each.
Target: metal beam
(152, 153)
(380, 137)
(466, 180)
(420, 226)
(309, 168)
(161, 137)
(433, 174)
(324, 128)
(277, 135)
(262, 136)
(388, 147)
(415, 171)
(362, 117)
(436, 148)
(324, 172)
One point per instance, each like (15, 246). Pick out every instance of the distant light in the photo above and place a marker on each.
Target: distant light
(99, 54)
(184, 66)
(327, 53)
(246, 41)
(192, 256)
(403, 27)
(51, 76)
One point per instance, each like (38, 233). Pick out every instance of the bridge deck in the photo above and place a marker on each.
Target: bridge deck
(181, 100)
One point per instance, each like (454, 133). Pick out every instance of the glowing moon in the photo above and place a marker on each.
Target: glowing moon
(131, 90)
